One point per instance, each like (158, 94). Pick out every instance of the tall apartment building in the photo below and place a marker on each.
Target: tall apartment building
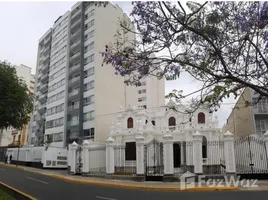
(12, 136)
(248, 120)
(77, 98)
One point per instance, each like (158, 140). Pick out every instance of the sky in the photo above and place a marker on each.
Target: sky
(24, 23)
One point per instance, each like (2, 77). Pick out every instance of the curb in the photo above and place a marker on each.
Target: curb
(143, 187)
(15, 193)
(107, 184)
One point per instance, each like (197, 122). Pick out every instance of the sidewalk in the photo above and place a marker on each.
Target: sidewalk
(160, 186)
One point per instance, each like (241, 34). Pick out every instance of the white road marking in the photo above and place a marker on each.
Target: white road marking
(105, 198)
(2, 169)
(36, 180)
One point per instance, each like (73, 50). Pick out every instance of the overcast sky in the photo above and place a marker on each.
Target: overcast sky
(22, 24)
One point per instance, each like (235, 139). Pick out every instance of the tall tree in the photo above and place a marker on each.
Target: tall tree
(222, 44)
(16, 102)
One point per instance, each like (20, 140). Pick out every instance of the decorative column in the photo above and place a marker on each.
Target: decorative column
(73, 149)
(85, 168)
(197, 153)
(266, 141)
(140, 155)
(109, 156)
(229, 153)
(168, 157)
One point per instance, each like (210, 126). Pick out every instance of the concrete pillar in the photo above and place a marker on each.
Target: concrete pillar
(168, 157)
(229, 153)
(110, 156)
(73, 161)
(197, 153)
(85, 168)
(140, 155)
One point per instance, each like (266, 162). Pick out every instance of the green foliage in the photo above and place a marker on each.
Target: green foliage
(16, 103)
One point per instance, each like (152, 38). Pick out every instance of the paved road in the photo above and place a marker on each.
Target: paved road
(47, 188)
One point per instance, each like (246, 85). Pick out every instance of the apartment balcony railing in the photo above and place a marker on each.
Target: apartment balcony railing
(75, 46)
(44, 77)
(75, 14)
(73, 123)
(45, 68)
(42, 97)
(75, 35)
(41, 120)
(74, 92)
(43, 87)
(76, 24)
(75, 55)
(74, 68)
(73, 107)
(74, 81)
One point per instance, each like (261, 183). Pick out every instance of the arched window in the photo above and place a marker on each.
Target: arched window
(153, 122)
(130, 122)
(201, 118)
(204, 147)
(172, 121)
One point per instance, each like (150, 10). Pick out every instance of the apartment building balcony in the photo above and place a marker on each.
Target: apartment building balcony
(40, 132)
(74, 68)
(73, 109)
(73, 123)
(46, 50)
(74, 57)
(47, 41)
(42, 97)
(76, 14)
(43, 88)
(75, 35)
(73, 94)
(46, 59)
(74, 81)
(44, 78)
(41, 120)
(45, 68)
(75, 46)
(76, 24)
(42, 109)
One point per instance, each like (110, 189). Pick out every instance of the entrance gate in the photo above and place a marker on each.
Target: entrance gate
(153, 160)
(251, 157)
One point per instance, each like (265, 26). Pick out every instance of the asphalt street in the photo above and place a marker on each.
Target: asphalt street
(47, 188)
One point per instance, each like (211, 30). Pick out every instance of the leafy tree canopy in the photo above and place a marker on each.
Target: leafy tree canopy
(16, 102)
(222, 44)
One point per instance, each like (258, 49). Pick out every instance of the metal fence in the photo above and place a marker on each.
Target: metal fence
(251, 155)
(97, 160)
(122, 166)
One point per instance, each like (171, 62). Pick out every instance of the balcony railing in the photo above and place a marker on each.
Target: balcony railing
(74, 92)
(73, 107)
(73, 123)
(74, 79)
(75, 67)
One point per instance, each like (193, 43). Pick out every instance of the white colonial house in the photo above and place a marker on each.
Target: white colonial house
(155, 142)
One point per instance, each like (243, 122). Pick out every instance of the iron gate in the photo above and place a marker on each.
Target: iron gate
(251, 157)
(153, 160)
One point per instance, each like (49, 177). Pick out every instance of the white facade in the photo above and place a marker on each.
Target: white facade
(77, 98)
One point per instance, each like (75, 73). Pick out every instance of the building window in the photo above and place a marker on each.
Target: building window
(89, 116)
(201, 118)
(130, 152)
(172, 121)
(89, 133)
(58, 137)
(204, 147)
(130, 122)
(89, 72)
(89, 100)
